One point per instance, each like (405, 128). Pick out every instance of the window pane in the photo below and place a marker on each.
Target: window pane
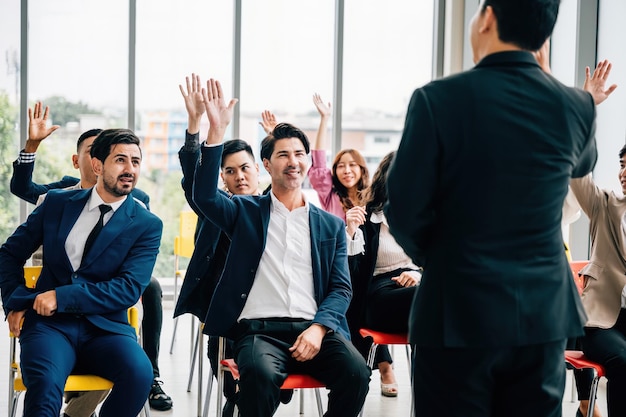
(9, 112)
(287, 56)
(387, 54)
(174, 39)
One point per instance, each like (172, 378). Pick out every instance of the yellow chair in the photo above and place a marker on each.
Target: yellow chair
(74, 382)
(183, 247)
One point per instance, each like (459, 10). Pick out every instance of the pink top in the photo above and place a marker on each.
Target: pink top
(321, 180)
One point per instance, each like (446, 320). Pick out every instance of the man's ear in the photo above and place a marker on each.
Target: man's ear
(96, 165)
(75, 161)
(488, 21)
(266, 165)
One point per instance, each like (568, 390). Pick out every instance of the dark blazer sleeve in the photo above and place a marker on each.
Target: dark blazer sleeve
(22, 184)
(188, 159)
(413, 179)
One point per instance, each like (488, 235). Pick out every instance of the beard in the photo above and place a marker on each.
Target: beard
(111, 186)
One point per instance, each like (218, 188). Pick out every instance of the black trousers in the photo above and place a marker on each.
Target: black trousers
(388, 304)
(261, 349)
(152, 302)
(608, 347)
(495, 382)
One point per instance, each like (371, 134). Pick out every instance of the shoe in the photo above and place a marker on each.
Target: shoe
(389, 390)
(158, 399)
(285, 395)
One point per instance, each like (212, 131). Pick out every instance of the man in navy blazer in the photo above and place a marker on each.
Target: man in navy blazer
(78, 308)
(475, 197)
(22, 186)
(285, 288)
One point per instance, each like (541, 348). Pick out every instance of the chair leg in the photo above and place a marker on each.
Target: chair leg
(13, 402)
(200, 368)
(221, 354)
(192, 368)
(173, 335)
(301, 402)
(592, 393)
(318, 399)
(207, 397)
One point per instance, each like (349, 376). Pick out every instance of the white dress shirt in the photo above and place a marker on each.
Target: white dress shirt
(283, 285)
(75, 242)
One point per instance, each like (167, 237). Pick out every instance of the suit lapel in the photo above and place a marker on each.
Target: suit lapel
(118, 223)
(315, 229)
(69, 214)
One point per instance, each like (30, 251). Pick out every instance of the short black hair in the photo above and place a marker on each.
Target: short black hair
(622, 152)
(101, 147)
(234, 146)
(525, 23)
(87, 134)
(282, 131)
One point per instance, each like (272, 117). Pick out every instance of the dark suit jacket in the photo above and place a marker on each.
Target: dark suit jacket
(245, 219)
(208, 259)
(475, 197)
(112, 276)
(22, 184)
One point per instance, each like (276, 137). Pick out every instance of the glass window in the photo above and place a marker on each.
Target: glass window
(175, 39)
(387, 55)
(9, 112)
(287, 56)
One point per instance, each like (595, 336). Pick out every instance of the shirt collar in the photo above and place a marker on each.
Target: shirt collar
(277, 205)
(95, 200)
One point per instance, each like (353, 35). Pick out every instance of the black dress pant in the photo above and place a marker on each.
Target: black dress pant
(152, 322)
(608, 347)
(489, 382)
(388, 304)
(262, 354)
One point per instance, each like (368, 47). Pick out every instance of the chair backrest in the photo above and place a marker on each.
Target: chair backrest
(31, 275)
(576, 267)
(184, 242)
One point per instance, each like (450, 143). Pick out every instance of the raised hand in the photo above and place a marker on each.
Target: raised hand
(194, 102)
(354, 218)
(268, 121)
(323, 109)
(218, 112)
(594, 84)
(37, 127)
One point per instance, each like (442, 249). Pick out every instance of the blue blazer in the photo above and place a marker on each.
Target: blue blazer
(245, 219)
(22, 184)
(207, 262)
(113, 275)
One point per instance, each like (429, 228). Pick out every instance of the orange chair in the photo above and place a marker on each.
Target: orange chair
(576, 358)
(381, 338)
(293, 381)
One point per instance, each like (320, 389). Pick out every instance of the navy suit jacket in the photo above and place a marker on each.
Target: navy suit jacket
(476, 195)
(22, 184)
(245, 219)
(111, 278)
(207, 262)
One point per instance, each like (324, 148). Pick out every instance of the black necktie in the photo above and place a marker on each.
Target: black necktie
(104, 209)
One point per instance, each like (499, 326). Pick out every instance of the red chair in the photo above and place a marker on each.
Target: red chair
(578, 360)
(381, 338)
(293, 381)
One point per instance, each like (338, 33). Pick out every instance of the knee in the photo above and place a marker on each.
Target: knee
(153, 291)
